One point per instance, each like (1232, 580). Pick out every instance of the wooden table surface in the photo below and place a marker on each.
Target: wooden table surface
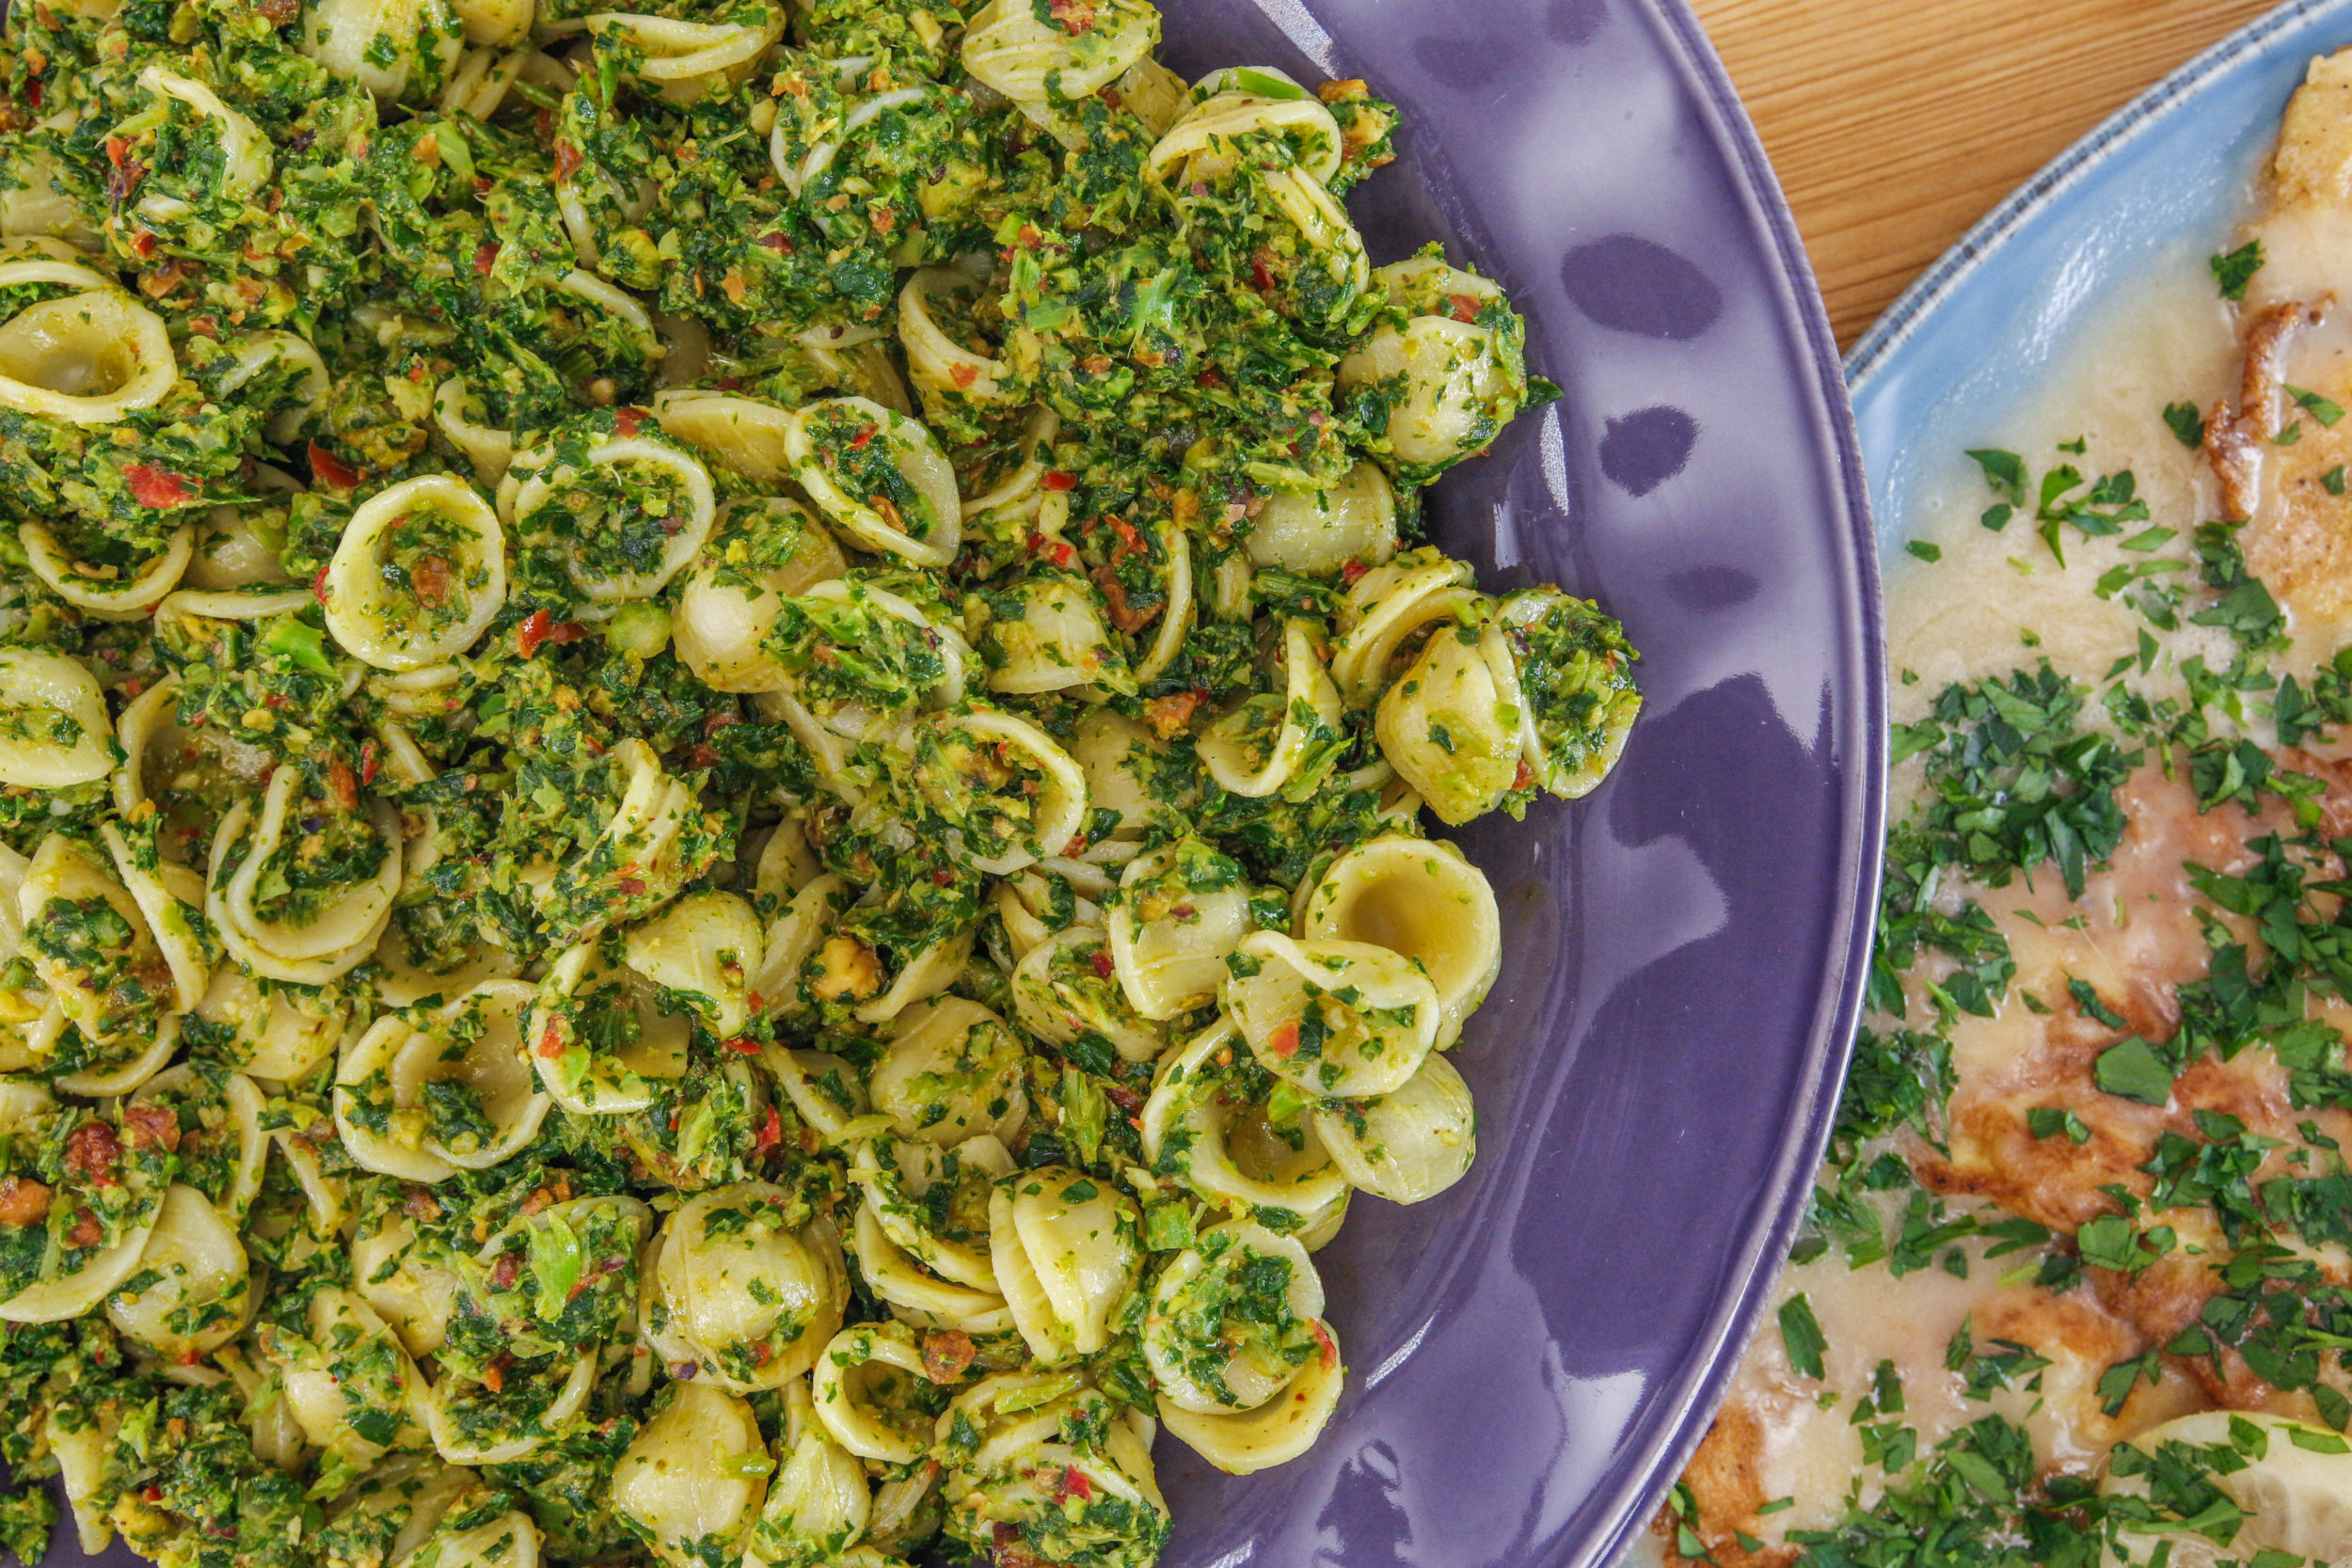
(1895, 124)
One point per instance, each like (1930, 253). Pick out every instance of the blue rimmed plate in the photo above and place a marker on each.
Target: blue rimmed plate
(1535, 1352)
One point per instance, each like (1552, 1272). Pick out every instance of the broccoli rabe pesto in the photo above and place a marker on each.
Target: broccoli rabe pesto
(717, 725)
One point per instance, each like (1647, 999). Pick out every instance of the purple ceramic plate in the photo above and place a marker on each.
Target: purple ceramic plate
(1533, 1355)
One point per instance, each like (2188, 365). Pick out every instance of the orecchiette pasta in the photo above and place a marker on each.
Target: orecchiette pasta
(712, 749)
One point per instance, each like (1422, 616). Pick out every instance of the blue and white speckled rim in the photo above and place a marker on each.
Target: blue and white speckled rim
(1916, 305)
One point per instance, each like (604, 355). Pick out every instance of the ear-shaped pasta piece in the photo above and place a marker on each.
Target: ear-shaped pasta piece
(818, 1501)
(865, 1393)
(921, 975)
(278, 1033)
(1388, 605)
(509, 1541)
(1463, 379)
(1275, 1432)
(403, 1281)
(794, 937)
(1068, 1251)
(313, 937)
(1421, 899)
(244, 150)
(767, 548)
(598, 1038)
(932, 1204)
(419, 575)
(378, 1132)
(683, 1481)
(915, 1294)
(1009, 45)
(1408, 1145)
(1066, 988)
(1047, 634)
(203, 1291)
(708, 948)
(397, 48)
(1057, 1467)
(1575, 670)
(53, 729)
(1450, 725)
(1181, 909)
(347, 1381)
(33, 260)
(1206, 137)
(466, 1077)
(1232, 1320)
(952, 1071)
(734, 1284)
(89, 941)
(738, 433)
(212, 1121)
(259, 351)
(1230, 1152)
(131, 1063)
(1283, 739)
(826, 1090)
(1336, 1018)
(1001, 786)
(170, 901)
(879, 475)
(935, 326)
(859, 656)
(1317, 533)
(1128, 771)
(88, 359)
(686, 61)
(490, 449)
(626, 519)
(103, 591)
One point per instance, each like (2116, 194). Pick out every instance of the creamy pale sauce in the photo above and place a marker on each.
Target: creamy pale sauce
(1994, 601)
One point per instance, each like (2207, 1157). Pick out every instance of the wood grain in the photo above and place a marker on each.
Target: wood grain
(1895, 124)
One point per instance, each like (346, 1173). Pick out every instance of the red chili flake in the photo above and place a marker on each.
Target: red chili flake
(117, 150)
(331, 470)
(743, 1045)
(963, 375)
(1283, 1042)
(1525, 777)
(1353, 570)
(1323, 1338)
(1102, 963)
(1465, 307)
(552, 1042)
(370, 760)
(865, 433)
(1073, 1483)
(318, 585)
(537, 628)
(494, 1378)
(92, 1150)
(158, 489)
(770, 1131)
(567, 161)
(628, 421)
(143, 244)
(485, 258)
(1055, 479)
